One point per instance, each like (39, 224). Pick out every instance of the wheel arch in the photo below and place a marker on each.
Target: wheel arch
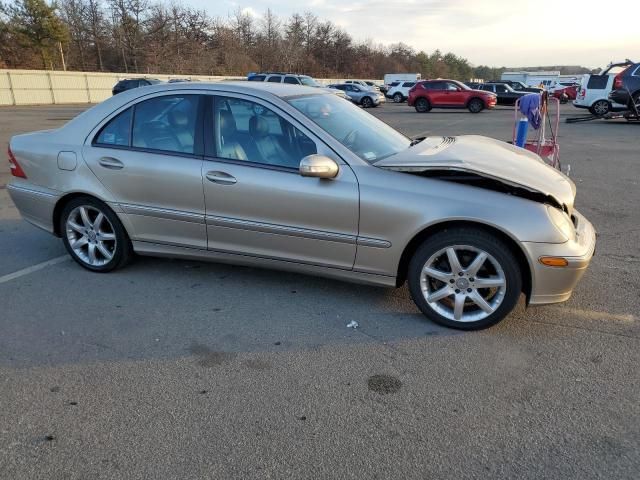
(475, 97)
(64, 200)
(422, 235)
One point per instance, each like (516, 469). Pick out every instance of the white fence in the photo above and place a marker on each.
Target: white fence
(43, 87)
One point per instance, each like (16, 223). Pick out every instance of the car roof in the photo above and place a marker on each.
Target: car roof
(240, 86)
(91, 117)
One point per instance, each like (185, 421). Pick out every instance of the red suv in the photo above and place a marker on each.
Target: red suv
(429, 94)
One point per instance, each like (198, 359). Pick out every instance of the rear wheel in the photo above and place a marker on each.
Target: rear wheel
(464, 278)
(422, 105)
(600, 108)
(475, 105)
(397, 97)
(367, 102)
(94, 236)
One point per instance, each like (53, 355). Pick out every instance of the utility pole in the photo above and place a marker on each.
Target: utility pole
(64, 65)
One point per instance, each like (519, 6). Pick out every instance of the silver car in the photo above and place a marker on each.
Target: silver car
(360, 95)
(294, 178)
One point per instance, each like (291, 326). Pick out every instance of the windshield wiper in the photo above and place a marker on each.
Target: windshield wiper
(416, 141)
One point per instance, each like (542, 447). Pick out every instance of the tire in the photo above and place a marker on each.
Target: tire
(105, 236)
(366, 102)
(475, 105)
(461, 285)
(600, 108)
(397, 97)
(635, 100)
(422, 105)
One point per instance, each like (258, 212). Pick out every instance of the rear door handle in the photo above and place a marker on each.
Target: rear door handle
(222, 178)
(110, 162)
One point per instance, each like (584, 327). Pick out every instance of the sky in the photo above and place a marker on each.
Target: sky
(497, 33)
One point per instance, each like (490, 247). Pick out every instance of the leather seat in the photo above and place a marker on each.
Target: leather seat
(267, 144)
(229, 146)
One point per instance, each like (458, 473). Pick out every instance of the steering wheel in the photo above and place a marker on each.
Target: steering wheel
(350, 138)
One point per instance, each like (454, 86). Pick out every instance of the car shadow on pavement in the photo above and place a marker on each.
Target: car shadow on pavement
(160, 308)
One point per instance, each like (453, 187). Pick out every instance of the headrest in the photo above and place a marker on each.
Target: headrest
(258, 126)
(178, 118)
(227, 123)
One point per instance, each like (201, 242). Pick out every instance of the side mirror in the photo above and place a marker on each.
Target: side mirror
(318, 166)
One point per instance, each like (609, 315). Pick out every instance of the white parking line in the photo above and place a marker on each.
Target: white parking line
(33, 268)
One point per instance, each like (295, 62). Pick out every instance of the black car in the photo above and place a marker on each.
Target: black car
(506, 94)
(626, 87)
(129, 83)
(519, 86)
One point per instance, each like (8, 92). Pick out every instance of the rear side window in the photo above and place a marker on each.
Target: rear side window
(257, 78)
(501, 89)
(292, 80)
(394, 84)
(166, 124)
(275, 79)
(599, 82)
(116, 132)
(408, 84)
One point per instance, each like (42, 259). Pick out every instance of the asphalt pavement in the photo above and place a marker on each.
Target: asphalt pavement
(176, 369)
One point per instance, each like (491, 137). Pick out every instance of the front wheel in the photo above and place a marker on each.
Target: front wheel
(397, 97)
(367, 102)
(475, 106)
(464, 278)
(94, 236)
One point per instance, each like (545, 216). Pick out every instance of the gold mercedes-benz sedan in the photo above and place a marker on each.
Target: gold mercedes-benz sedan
(295, 178)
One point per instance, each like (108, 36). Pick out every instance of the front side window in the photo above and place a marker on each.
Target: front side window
(116, 132)
(362, 133)
(248, 131)
(166, 123)
(501, 89)
(408, 84)
(274, 79)
(292, 80)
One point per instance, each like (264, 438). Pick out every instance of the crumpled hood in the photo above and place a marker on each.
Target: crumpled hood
(486, 157)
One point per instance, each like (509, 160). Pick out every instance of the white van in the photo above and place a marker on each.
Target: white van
(401, 77)
(594, 90)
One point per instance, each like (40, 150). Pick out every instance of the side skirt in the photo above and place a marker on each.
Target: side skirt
(171, 251)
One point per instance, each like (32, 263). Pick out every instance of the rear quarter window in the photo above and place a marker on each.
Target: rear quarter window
(598, 82)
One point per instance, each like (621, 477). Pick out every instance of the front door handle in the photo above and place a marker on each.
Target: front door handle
(221, 177)
(110, 162)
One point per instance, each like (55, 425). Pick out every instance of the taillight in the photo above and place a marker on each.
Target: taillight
(14, 166)
(617, 81)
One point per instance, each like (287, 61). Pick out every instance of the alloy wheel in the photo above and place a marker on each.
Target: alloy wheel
(601, 107)
(463, 283)
(91, 235)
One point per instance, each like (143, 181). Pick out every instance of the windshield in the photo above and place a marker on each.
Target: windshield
(309, 82)
(359, 131)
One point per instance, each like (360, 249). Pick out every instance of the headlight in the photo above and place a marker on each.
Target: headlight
(562, 222)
